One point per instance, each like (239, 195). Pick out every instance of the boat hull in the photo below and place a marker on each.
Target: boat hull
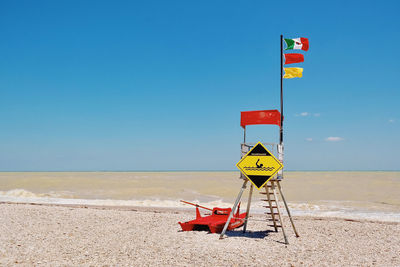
(214, 222)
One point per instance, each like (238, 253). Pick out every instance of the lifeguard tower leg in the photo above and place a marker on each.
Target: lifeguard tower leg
(233, 209)
(279, 213)
(287, 208)
(248, 209)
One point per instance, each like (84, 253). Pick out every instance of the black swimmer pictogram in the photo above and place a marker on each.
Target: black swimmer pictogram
(259, 167)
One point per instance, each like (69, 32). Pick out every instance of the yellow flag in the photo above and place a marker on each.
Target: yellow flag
(293, 73)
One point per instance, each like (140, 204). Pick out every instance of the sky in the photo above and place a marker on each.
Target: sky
(159, 85)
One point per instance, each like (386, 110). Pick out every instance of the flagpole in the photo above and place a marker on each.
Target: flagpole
(281, 128)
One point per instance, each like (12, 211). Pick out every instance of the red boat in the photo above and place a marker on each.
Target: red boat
(214, 222)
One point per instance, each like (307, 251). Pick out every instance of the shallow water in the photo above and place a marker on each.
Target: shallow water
(371, 195)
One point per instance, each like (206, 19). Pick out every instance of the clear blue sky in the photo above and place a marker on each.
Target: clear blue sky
(159, 85)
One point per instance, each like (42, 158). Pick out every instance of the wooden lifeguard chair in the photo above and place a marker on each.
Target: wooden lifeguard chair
(273, 188)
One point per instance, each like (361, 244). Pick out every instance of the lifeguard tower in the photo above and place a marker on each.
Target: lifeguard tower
(272, 189)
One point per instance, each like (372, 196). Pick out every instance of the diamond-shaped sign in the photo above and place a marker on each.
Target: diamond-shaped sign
(259, 165)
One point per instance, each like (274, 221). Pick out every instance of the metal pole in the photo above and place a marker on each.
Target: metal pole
(281, 127)
(279, 213)
(287, 209)
(196, 205)
(248, 209)
(233, 209)
(244, 135)
(280, 146)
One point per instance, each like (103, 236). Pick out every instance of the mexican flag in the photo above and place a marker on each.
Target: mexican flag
(297, 43)
(293, 58)
(293, 73)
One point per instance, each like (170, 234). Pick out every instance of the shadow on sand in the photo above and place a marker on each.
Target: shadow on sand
(249, 234)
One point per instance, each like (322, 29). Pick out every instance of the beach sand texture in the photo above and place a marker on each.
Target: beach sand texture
(75, 236)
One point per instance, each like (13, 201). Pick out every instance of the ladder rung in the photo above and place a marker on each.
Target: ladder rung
(271, 193)
(275, 225)
(269, 213)
(273, 207)
(268, 200)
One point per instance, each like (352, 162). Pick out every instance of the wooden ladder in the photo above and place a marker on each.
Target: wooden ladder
(272, 205)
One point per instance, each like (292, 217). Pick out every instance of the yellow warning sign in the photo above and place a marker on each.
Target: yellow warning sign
(259, 165)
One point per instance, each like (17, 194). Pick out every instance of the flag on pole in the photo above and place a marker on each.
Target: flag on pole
(293, 73)
(297, 43)
(260, 117)
(293, 58)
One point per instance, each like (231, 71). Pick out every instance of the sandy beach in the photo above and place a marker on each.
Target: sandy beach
(52, 235)
(123, 121)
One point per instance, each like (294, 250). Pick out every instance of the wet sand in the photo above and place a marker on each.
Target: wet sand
(51, 235)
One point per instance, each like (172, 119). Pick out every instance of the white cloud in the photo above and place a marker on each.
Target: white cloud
(309, 139)
(391, 120)
(303, 114)
(334, 139)
(307, 114)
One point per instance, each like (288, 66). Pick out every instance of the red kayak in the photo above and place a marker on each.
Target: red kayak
(214, 222)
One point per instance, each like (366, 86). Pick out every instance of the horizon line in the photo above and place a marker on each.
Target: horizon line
(382, 170)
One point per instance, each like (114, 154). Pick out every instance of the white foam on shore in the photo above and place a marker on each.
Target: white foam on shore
(338, 211)
(327, 209)
(24, 196)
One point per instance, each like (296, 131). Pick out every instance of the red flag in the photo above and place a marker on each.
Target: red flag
(260, 117)
(293, 58)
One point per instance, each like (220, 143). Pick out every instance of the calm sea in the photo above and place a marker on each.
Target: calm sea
(369, 195)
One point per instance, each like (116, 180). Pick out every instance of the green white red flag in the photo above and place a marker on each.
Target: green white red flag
(297, 43)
